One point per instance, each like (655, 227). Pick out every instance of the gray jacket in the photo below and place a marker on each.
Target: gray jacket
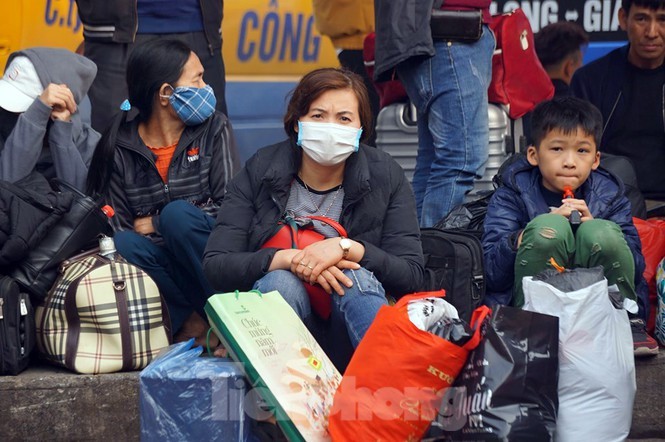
(402, 32)
(54, 148)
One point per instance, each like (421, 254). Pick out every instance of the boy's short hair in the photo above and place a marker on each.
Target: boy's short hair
(557, 41)
(566, 114)
(651, 4)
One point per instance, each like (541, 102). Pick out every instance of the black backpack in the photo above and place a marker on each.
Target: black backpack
(453, 252)
(17, 328)
(454, 262)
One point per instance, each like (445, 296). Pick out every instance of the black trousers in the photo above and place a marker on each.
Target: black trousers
(352, 59)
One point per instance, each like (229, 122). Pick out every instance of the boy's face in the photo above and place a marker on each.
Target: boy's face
(564, 160)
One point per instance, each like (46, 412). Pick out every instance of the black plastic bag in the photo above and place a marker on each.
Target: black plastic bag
(467, 216)
(78, 230)
(507, 391)
(571, 280)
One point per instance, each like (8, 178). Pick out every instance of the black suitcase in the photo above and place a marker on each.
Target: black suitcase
(17, 328)
(454, 262)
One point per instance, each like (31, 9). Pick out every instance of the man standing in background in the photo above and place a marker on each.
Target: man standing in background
(446, 75)
(112, 27)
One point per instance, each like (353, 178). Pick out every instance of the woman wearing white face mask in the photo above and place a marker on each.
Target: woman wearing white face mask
(322, 170)
(163, 165)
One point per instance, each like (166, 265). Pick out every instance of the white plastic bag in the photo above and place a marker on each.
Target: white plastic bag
(596, 362)
(426, 312)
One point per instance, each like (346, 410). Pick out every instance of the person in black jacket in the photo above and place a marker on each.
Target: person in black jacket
(628, 86)
(560, 48)
(532, 220)
(112, 28)
(164, 171)
(322, 169)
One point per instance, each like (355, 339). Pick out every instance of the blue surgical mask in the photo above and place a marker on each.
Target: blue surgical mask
(192, 104)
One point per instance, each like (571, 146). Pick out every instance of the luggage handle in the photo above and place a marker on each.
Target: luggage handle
(409, 115)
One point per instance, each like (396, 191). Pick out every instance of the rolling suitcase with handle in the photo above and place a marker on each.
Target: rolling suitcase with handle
(397, 134)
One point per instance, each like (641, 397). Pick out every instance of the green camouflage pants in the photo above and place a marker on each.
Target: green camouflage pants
(596, 242)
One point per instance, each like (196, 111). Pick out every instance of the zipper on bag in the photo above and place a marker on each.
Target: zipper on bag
(23, 324)
(2, 336)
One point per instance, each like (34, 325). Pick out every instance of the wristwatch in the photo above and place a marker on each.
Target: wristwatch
(345, 244)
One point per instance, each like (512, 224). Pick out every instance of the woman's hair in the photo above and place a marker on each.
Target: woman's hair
(150, 65)
(316, 83)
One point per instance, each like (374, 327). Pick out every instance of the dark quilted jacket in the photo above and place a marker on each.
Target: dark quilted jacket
(203, 162)
(28, 210)
(378, 211)
(518, 200)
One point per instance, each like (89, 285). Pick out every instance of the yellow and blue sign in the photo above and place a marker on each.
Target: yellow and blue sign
(261, 37)
(29, 23)
(273, 37)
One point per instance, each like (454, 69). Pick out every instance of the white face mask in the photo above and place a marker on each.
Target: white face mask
(327, 143)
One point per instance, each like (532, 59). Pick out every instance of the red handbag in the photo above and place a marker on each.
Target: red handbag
(292, 236)
(518, 78)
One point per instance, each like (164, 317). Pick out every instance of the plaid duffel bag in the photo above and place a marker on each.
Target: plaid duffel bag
(102, 316)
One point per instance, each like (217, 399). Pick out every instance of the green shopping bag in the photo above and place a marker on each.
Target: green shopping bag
(282, 360)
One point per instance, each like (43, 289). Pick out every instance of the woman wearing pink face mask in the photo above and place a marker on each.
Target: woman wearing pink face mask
(323, 169)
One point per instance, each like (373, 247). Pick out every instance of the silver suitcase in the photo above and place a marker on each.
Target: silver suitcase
(397, 134)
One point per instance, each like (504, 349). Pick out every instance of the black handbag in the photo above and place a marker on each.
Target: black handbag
(76, 231)
(462, 26)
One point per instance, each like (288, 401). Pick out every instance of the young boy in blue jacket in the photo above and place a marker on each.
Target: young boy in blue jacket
(529, 221)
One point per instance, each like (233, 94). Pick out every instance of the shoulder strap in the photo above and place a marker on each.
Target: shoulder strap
(332, 223)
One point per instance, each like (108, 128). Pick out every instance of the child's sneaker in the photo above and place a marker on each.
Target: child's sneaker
(643, 344)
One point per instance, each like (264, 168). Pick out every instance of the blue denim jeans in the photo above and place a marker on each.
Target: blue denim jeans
(175, 263)
(356, 309)
(449, 91)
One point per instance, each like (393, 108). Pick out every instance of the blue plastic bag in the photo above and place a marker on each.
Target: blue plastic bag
(184, 396)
